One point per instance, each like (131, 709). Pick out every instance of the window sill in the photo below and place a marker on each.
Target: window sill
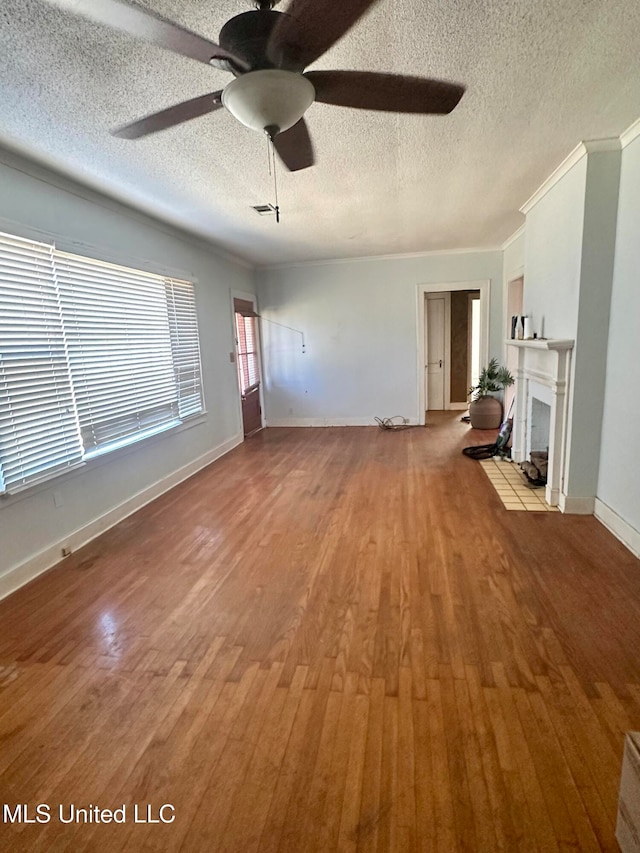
(97, 459)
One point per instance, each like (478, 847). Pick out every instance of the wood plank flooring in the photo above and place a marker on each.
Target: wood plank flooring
(330, 639)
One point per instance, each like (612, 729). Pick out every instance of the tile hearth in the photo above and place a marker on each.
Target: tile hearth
(511, 485)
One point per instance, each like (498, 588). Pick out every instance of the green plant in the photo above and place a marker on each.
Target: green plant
(493, 377)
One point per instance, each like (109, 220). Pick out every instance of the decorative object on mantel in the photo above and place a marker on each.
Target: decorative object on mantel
(485, 410)
(522, 328)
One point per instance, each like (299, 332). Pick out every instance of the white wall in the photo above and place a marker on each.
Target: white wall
(513, 256)
(569, 254)
(553, 255)
(32, 527)
(360, 327)
(619, 477)
(590, 354)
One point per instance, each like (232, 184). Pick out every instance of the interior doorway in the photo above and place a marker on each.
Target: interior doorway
(452, 348)
(453, 342)
(248, 362)
(437, 320)
(473, 354)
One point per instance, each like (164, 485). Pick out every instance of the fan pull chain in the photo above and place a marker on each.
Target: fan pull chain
(275, 180)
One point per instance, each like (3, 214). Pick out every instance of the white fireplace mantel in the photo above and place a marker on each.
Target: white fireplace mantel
(544, 364)
(541, 343)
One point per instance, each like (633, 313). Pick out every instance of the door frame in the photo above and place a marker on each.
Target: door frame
(508, 277)
(249, 297)
(510, 356)
(470, 300)
(484, 286)
(446, 377)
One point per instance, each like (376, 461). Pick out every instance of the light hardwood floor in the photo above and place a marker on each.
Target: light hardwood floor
(331, 639)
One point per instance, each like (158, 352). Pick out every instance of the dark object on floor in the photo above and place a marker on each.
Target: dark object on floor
(390, 423)
(486, 451)
(481, 451)
(466, 418)
(536, 470)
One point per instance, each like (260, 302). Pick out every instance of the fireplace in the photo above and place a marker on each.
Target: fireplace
(540, 425)
(541, 407)
(538, 418)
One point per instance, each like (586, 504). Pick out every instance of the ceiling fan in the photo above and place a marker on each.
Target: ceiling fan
(267, 52)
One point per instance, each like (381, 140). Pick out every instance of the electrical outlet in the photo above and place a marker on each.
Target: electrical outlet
(232, 357)
(405, 420)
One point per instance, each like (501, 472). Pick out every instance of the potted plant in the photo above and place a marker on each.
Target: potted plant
(485, 410)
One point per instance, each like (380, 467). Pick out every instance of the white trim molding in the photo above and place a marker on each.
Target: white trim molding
(331, 422)
(621, 529)
(576, 506)
(319, 262)
(590, 146)
(25, 572)
(35, 166)
(631, 133)
(517, 233)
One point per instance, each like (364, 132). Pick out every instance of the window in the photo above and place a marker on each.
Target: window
(93, 356)
(248, 370)
(38, 428)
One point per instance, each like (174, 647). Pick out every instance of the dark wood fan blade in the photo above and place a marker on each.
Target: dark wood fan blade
(309, 29)
(149, 26)
(171, 116)
(394, 93)
(294, 147)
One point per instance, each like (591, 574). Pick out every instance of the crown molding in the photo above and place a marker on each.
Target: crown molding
(631, 133)
(596, 146)
(364, 258)
(40, 170)
(582, 149)
(517, 233)
(558, 173)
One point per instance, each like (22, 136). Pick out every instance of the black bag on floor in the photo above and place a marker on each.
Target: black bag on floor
(486, 451)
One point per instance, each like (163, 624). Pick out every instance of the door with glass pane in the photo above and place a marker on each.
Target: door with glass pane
(248, 365)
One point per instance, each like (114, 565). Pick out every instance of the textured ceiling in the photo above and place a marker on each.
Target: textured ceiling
(541, 75)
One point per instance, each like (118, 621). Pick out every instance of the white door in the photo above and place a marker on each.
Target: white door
(435, 339)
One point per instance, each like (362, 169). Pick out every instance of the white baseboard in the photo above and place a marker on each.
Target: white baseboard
(552, 496)
(576, 506)
(620, 528)
(458, 407)
(50, 556)
(326, 422)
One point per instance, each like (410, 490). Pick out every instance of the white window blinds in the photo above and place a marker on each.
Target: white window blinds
(92, 356)
(185, 345)
(247, 352)
(38, 428)
(119, 345)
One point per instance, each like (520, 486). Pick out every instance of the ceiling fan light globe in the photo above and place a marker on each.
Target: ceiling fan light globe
(269, 98)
